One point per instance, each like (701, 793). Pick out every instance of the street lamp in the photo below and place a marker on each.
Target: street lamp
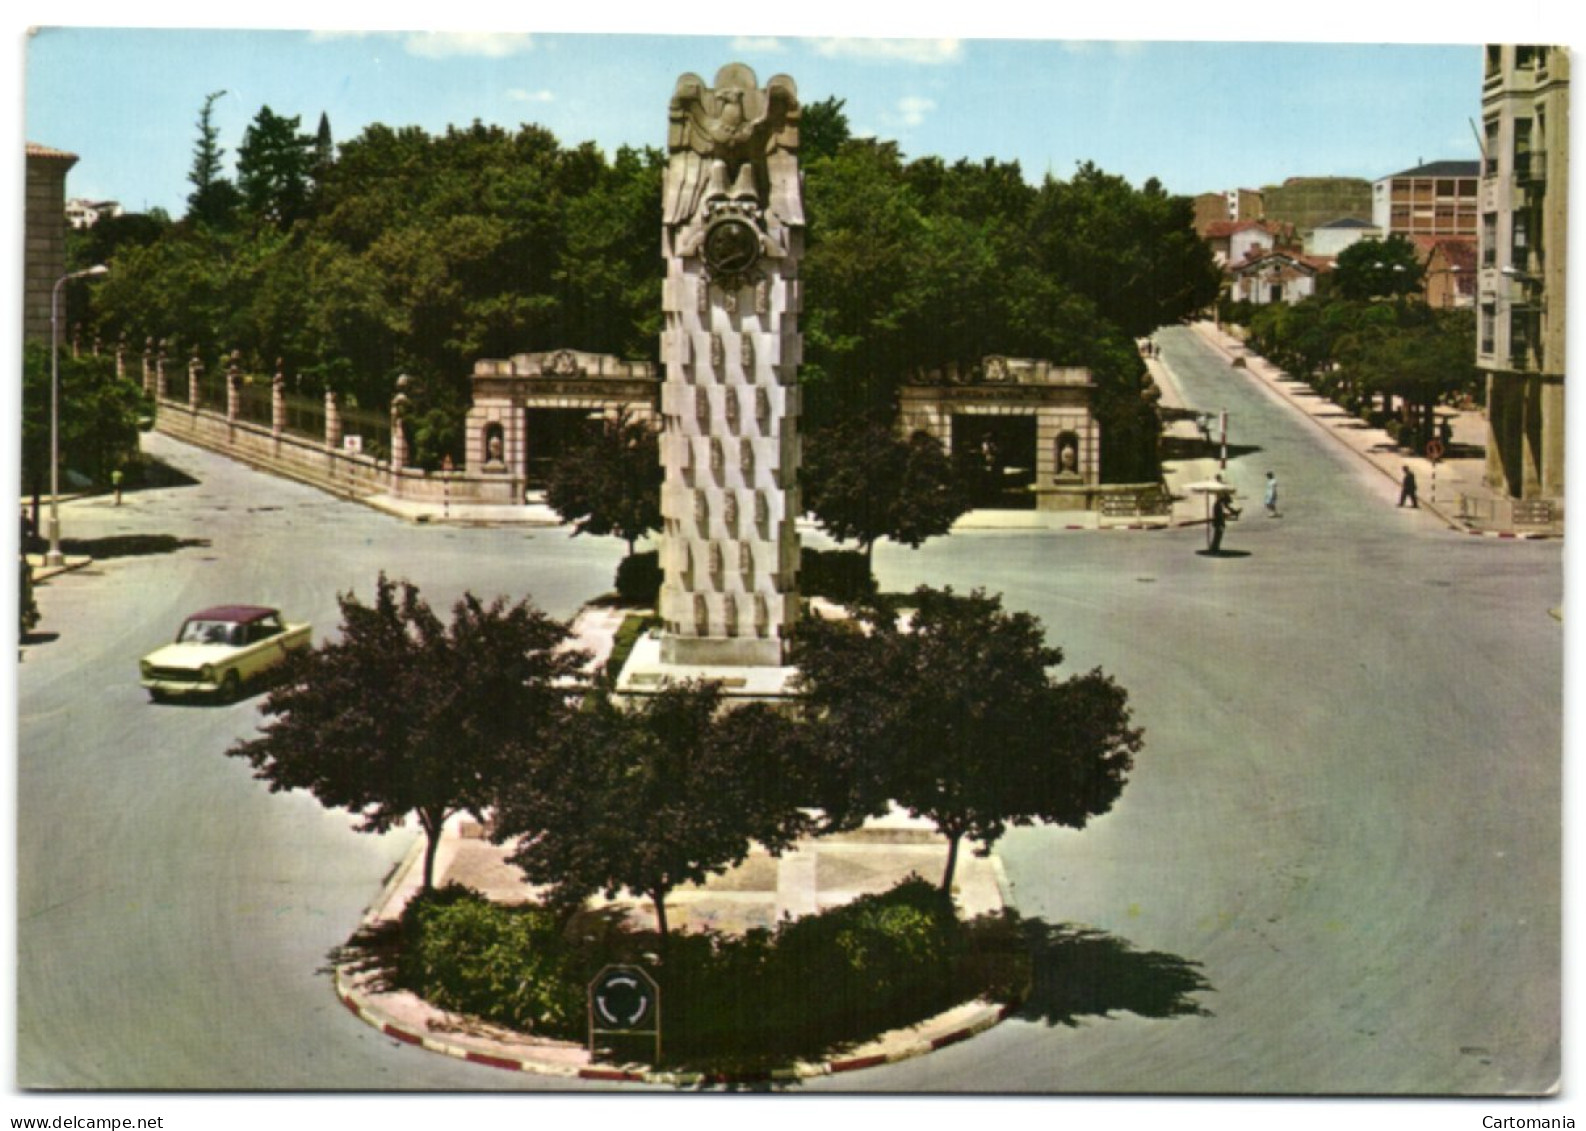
(54, 557)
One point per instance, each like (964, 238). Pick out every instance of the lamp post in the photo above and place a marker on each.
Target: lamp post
(54, 557)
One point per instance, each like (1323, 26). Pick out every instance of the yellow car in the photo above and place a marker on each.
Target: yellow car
(220, 650)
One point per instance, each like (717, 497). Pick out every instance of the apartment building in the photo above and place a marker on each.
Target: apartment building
(1520, 276)
(1436, 199)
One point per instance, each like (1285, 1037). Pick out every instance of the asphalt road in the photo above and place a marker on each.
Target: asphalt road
(1344, 828)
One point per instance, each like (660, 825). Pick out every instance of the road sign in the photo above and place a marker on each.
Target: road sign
(1434, 450)
(625, 1000)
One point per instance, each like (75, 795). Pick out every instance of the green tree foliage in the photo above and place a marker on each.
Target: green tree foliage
(1359, 350)
(214, 198)
(611, 483)
(916, 265)
(420, 253)
(379, 723)
(1372, 269)
(863, 482)
(99, 416)
(951, 713)
(275, 167)
(645, 798)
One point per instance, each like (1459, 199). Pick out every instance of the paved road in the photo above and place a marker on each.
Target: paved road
(1348, 807)
(1346, 815)
(174, 917)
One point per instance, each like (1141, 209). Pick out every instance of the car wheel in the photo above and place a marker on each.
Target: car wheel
(231, 688)
(156, 696)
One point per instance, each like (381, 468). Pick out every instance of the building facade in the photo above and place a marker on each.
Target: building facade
(44, 232)
(1520, 277)
(1437, 199)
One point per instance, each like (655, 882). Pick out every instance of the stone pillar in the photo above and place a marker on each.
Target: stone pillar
(399, 438)
(233, 386)
(278, 400)
(732, 236)
(332, 420)
(161, 386)
(149, 383)
(195, 371)
(121, 360)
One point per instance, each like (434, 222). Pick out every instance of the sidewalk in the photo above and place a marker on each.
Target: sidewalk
(1452, 489)
(758, 893)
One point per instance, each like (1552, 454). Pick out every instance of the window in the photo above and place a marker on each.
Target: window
(1489, 239)
(1488, 324)
(1494, 59)
(1490, 152)
(1519, 238)
(1522, 145)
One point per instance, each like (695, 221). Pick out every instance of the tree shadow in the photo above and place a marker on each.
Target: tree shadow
(128, 545)
(1078, 972)
(1193, 447)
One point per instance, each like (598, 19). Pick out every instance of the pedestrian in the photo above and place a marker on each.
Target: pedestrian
(1223, 509)
(115, 482)
(1407, 490)
(1445, 433)
(1271, 498)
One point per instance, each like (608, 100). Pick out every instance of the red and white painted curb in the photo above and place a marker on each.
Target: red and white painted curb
(355, 1002)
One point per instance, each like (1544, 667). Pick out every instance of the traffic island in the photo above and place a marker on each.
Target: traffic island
(754, 896)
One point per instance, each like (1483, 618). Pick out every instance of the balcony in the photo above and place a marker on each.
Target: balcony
(1530, 168)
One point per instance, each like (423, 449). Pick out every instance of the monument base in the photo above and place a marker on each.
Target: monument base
(723, 651)
(650, 668)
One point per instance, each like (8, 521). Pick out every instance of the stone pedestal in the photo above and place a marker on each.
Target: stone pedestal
(732, 238)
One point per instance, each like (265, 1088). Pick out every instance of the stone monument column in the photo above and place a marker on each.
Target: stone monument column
(732, 236)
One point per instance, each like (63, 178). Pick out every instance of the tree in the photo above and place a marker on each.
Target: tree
(275, 168)
(404, 715)
(99, 414)
(953, 715)
(1373, 269)
(214, 198)
(863, 482)
(1134, 252)
(611, 483)
(648, 797)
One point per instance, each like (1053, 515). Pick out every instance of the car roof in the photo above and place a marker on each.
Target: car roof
(241, 614)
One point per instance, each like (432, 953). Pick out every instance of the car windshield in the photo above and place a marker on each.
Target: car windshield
(210, 632)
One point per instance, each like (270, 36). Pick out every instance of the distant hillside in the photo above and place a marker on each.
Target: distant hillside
(1307, 202)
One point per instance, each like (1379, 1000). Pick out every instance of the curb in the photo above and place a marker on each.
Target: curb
(357, 1003)
(892, 1047)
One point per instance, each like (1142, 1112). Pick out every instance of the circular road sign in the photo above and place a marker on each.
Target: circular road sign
(1434, 450)
(624, 999)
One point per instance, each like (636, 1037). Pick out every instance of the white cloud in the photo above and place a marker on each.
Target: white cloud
(913, 109)
(479, 44)
(1118, 48)
(930, 52)
(518, 94)
(761, 44)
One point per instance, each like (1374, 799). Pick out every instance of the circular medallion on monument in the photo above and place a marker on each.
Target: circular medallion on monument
(732, 246)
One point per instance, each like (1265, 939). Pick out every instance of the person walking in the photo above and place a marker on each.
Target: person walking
(1271, 497)
(1407, 490)
(1222, 510)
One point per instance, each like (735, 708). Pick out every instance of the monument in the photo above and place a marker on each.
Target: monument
(732, 236)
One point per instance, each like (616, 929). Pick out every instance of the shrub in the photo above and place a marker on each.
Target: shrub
(508, 964)
(639, 578)
(730, 1002)
(838, 575)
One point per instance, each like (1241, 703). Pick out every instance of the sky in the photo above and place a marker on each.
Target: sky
(1198, 116)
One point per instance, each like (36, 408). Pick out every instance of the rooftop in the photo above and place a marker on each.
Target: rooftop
(1440, 169)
